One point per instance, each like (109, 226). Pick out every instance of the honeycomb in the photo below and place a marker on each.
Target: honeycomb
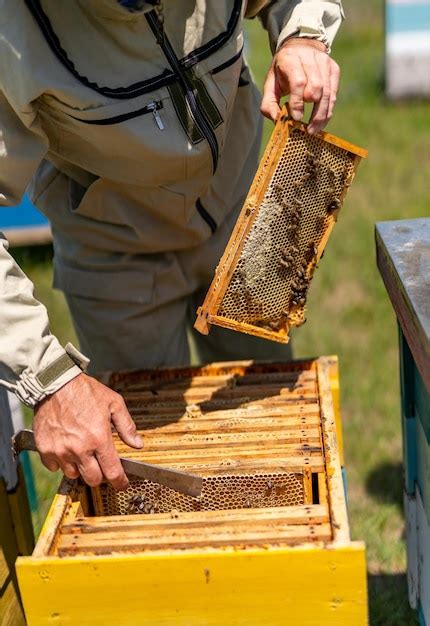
(259, 490)
(262, 282)
(251, 431)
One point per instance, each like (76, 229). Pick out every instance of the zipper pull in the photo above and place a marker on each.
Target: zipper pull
(153, 107)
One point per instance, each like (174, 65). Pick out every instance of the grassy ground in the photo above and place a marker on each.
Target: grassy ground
(349, 312)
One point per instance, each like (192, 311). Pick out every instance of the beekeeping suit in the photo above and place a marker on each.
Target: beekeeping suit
(136, 128)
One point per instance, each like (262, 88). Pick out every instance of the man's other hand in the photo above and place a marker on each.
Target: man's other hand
(302, 69)
(72, 428)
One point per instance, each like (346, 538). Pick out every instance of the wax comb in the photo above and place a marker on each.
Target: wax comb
(262, 280)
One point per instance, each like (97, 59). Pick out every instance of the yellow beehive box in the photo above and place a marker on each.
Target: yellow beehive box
(267, 542)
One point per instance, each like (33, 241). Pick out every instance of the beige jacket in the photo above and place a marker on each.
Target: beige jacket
(132, 129)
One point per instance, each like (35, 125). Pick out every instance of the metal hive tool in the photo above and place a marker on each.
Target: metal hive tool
(261, 283)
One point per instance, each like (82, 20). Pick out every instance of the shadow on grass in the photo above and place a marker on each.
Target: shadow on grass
(388, 593)
(385, 483)
(388, 604)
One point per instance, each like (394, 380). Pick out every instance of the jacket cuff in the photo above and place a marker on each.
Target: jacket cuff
(321, 25)
(32, 388)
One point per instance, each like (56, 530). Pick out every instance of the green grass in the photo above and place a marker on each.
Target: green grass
(349, 312)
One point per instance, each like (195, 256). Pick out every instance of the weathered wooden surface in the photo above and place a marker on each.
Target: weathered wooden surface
(336, 493)
(8, 465)
(10, 609)
(403, 256)
(410, 506)
(423, 548)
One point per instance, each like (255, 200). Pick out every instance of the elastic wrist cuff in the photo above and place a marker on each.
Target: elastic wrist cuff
(296, 41)
(33, 388)
(316, 33)
(30, 391)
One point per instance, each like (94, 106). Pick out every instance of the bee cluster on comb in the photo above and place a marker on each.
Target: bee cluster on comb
(262, 281)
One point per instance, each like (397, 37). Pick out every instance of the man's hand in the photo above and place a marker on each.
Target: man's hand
(302, 69)
(72, 429)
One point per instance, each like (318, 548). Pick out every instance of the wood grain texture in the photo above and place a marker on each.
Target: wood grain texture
(336, 494)
(10, 608)
(423, 547)
(216, 588)
(403, 257)
(410, 507)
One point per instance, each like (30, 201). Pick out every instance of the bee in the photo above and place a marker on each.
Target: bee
(285, 264)
(334, 205)
(266, 327)
(274, 325)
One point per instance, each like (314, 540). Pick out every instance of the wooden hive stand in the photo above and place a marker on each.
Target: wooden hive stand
(403, 255)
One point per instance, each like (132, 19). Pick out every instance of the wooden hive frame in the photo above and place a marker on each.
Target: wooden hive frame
(276, 155)
(190, 567)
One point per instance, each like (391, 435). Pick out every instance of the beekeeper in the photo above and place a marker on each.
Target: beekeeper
(136, 126)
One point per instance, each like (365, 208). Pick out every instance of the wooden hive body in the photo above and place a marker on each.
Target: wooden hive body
(272, 511)
(261, 282)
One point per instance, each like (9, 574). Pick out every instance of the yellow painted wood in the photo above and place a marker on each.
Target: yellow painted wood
(303, 586)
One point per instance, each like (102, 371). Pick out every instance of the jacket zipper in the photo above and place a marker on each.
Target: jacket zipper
(152, 107)
(197, 114)
(206, 216)
(141, 87)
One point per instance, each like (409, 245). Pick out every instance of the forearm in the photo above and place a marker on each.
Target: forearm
(33, 364)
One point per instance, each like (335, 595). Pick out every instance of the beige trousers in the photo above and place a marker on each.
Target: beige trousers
(158, 330)
(118, 335)
(142, 316)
